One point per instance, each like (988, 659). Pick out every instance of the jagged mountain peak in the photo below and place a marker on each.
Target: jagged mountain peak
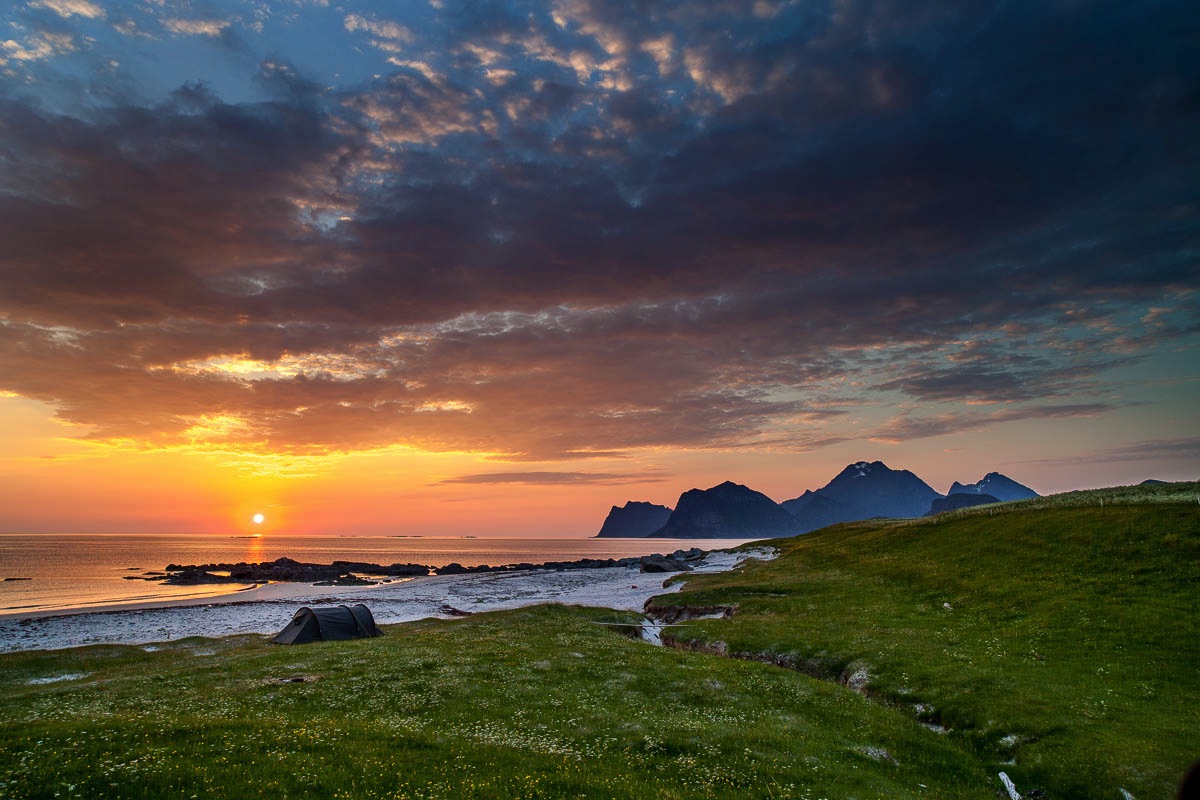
(862, 490)
(863, 469)
(727, 510)
(996, 484)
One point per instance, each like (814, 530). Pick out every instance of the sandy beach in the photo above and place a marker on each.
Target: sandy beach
(268, 608)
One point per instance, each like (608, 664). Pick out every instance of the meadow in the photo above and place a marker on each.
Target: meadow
(1055, 639)
(883, 659)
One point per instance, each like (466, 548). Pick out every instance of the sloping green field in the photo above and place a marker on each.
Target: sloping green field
(1056, 640)
(535, 703)
(1069, 650)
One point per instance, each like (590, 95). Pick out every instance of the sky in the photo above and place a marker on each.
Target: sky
(489, 268)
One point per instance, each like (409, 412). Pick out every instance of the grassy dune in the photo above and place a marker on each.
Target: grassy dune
(1069, 650)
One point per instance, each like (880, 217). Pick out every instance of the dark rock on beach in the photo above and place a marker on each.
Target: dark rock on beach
(679, 561)
(657, 563)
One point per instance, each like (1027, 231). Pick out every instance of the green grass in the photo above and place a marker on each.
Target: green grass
(1068, 660)
(531, 703)
(1068, 657)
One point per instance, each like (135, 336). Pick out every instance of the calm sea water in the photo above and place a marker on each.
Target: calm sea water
(80, 570)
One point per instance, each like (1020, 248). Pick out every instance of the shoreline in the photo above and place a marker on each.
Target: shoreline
(267, 608)
(272, 576)
(226, 597)
(65, 576)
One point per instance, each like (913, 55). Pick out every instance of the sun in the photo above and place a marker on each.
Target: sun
(258, 519)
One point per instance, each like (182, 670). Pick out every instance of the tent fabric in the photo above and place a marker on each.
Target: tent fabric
(327, 624)
(366, 622)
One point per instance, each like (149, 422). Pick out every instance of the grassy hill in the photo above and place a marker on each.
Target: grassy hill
(1055, 638)
(1068, 650)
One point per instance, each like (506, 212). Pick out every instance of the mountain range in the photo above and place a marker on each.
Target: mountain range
(863, 490)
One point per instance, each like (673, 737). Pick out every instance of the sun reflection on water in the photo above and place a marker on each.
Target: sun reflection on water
(254, 549)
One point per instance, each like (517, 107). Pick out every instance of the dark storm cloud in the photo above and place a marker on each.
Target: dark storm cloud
(167, 212)
(548, 235)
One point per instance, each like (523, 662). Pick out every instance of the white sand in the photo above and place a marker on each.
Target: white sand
(268, 608)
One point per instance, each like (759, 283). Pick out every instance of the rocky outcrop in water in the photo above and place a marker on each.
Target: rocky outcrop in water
(283, 570)
(583, 563)
(351, 573)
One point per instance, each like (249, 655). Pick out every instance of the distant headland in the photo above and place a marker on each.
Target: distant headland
(863, 490)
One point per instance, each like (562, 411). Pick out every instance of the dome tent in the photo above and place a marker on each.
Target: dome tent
(328, 623)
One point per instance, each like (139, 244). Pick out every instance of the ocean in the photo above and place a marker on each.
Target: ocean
(80, 571)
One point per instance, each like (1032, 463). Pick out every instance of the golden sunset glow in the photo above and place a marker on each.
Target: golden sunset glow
(471, 280)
